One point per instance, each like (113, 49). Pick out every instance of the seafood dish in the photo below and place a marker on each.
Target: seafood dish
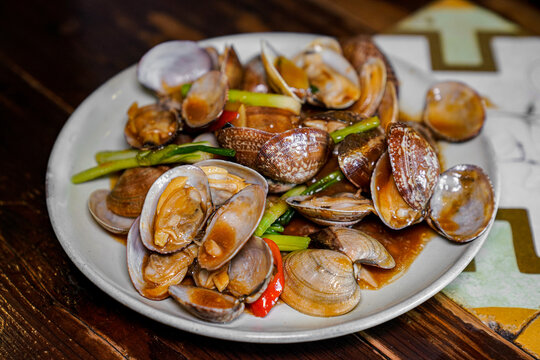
(280, 180)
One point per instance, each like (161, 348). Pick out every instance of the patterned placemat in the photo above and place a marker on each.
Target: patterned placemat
(461, 41)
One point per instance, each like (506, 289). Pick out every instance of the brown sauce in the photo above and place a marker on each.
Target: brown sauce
(404, 246)
(209, 298)
(224, 236)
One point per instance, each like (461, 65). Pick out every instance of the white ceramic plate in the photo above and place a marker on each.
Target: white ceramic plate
(98, 124)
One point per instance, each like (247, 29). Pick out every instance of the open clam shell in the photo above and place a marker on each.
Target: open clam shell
(463, 203)
(97, 205)
(454, 111)
(151, 126)
(294, 156)
(357, 245)
(358, 154)
(297, 84)
(373, 85)
(255, 76)
(221, 187)
(415, 165)
(231, 226)
(390, 206)
(173, 63)
(205, 100)
(207, 304)
(340, 209)
(152, 273)
(231, 67)
(333, 80)
(389, 106)
(195, 180)
(250, 270)
(320, 282)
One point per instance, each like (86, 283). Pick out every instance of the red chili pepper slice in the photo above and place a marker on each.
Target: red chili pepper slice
(226, 116)
(270, 296)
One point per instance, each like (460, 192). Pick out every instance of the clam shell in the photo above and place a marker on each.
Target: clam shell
(454, 111)
(137, 259)
(328, 215)
(357, 245)
(358, 154)
(373, 85)
(250, 270)
(463, 203)
(320, 282)
(207, 304)
(231, 67)
(362, 47)
(269, 56)
(255, 76)
(390, 206)
(294, 156)
(127, 196)
(247, 143)
(197, 179)
(174, 63)
(231, 226)
(205, 100)
(389, 106)
(97, 205)
(415, 165)
(249, 175)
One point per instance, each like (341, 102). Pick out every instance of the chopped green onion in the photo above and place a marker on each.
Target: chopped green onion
(289, 242)
(260, 99)
(360, 126)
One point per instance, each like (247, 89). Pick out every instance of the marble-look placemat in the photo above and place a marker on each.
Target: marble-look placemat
(455, 40)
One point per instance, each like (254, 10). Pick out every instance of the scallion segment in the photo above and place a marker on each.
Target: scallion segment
(360, 126)
(289, 242)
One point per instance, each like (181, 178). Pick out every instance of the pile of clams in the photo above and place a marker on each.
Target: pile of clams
(191, 227)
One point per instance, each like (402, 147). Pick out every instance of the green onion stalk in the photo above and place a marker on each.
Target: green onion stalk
(135, 158)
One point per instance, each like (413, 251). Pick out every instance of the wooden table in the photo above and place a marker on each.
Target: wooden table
(53, 55)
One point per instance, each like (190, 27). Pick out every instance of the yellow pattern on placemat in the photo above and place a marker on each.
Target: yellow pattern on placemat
(530, 337)
(508, 319)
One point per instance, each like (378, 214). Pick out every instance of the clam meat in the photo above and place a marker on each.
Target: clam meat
(175, 209)
(151, 126)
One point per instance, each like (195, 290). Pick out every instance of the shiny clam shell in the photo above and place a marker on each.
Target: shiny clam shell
(205, 100)
(357, 245)
(97, 205)
(207, 304)
(246, 142)
(463, 203)
(231, 226)
(294, 156)
(393, 211)
(220, 194)
(358, 154)
(196, 179)
(340, 209)
(173, 63)
(320, 282)
(250, 270)
(373, 85)
(152, 273)
(415, 165)
(454, 111)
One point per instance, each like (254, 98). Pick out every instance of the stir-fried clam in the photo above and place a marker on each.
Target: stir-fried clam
(198, 220)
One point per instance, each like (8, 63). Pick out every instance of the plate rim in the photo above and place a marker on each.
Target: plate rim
(217, 330)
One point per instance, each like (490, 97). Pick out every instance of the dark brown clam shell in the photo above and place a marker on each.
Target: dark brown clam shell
(127, 196)
(360, 48)
(270, 119)
(231, 67)
(294, 156)
(358, 154)
(246, 141)
(255, 76)
(415, 165)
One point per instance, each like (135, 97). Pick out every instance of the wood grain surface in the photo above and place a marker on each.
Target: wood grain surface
(53, 54)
